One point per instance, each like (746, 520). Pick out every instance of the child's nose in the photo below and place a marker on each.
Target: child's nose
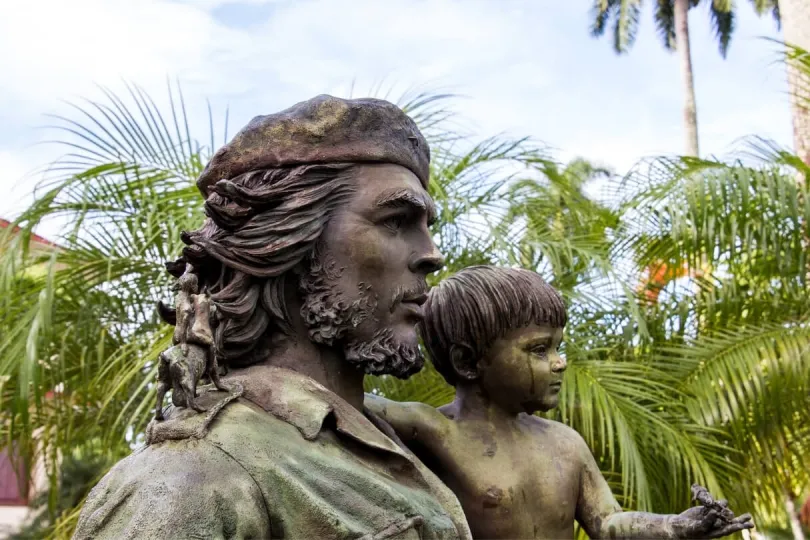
(558, 363)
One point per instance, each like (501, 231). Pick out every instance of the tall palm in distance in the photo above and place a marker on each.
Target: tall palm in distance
(797, 61)
(622, 17)
(795, 16)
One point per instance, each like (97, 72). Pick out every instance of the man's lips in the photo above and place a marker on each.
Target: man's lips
(412, 305)
(417, 299)
(414, 297)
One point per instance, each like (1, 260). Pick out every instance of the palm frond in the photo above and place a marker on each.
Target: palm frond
(634, 423)
(626, 25)
(122, 195)
(752, 382)
(723, 19)
(665, 23)
(623, 14)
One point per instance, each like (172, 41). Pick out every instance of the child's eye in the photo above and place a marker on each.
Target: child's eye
(540, 350)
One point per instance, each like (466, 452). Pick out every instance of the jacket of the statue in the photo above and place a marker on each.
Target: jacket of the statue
(281, 458)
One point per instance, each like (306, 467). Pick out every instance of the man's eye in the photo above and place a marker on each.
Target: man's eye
(394, 222)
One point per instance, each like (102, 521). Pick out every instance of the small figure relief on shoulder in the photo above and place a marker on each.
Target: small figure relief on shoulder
(191, 355)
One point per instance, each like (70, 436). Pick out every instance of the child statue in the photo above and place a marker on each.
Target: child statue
(192, 353)
(494, 334)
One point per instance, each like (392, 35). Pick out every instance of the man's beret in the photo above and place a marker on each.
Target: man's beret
(324, 129)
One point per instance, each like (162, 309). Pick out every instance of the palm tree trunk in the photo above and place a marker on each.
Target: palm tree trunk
(795, 16)
(682, 46)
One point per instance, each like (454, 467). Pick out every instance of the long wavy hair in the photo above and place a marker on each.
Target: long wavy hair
(261, 230)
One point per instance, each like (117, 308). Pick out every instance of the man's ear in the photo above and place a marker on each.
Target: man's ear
(462, 360)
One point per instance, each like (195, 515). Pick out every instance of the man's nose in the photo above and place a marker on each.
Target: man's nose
(558, 363)
(427, 260)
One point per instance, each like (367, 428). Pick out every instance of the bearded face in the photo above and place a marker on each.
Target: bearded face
(334, 318)
(366, 283)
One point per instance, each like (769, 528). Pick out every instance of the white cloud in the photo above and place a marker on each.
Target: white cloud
(212, 4)
(528, 69)
(14, 170)
(61, 49)
(55, 50)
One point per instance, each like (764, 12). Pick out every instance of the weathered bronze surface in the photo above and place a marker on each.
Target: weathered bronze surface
(192, 354)
(323, 130)
(494, 334)
(314, 254)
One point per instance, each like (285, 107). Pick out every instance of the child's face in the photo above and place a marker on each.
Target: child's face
(523, 371)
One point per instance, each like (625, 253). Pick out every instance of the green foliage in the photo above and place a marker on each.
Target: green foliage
(708, 383)
(733, 335)
(623, 16)
(562, 229)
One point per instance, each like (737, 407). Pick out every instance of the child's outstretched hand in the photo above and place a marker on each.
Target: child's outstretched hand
(712, 519)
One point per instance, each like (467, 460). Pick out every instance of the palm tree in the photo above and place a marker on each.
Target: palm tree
(795, 15)
(79, 339)
(797, 59)
(554, 212)
(671, 19)
(735, 336)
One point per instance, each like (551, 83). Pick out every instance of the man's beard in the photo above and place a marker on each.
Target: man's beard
(330, 319)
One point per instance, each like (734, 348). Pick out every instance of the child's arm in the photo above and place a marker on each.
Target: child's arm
(411, 421)
(601, 516)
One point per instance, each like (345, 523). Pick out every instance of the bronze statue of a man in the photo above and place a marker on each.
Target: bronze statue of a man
(315, 252)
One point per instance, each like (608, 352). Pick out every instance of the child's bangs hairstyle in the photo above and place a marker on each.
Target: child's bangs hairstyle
(479, 305)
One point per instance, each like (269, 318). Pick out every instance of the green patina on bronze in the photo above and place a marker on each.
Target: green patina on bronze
(293, 462)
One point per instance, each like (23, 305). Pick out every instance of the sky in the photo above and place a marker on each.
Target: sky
(521, 67)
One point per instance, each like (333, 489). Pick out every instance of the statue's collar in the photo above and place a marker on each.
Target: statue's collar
(301, 401)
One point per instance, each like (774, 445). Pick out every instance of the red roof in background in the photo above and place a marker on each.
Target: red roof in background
(5, 224)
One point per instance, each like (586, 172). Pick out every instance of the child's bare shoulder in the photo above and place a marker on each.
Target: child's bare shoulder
(544, 427)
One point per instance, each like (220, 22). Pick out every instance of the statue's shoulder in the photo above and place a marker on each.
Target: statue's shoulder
(562, 433)
(182, 487)
(183, 423)
(181, 442)
(229, 421)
